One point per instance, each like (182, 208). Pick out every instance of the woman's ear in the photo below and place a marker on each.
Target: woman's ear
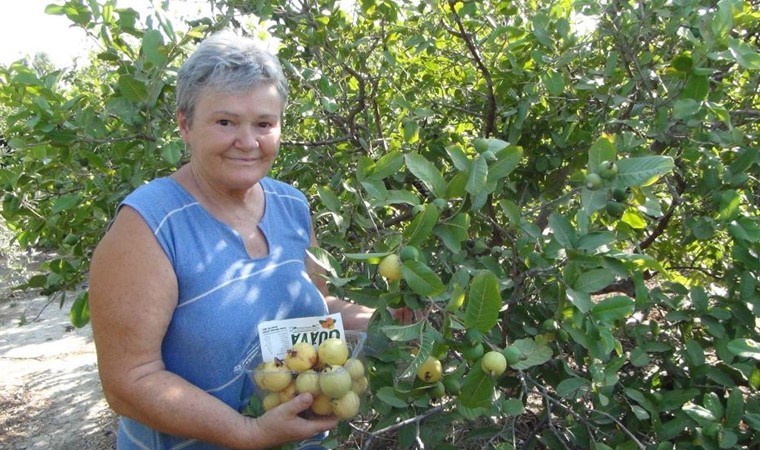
(184, 124)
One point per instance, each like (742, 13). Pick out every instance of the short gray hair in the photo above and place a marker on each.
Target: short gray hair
(228, 63)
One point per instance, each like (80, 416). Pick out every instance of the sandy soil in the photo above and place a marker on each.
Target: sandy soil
(50, 395)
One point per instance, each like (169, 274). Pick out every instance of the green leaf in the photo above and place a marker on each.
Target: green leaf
(533, 354)
(753, 419)
(613, 308)
(477, 389)
(696, 87)
(422, 226)
(132, 89)
(580, 300)
(685, 107)
(745, 348)
(573, 388)
(507, 161)
(388, 396)
(388, 165)
(745, 229)
(713, 404)
(734, 408)
(411, 131)
(403, 333)
(634, 219)
(744, 54)
(458, 158)
(375, 189)
(172, 152)
(639, 358)
(421, 279)
(79, 314)
(699, 414)
(695, 355)
(640, 398)
(594, 280)
(640, 412)
(329, 199)
(642, 170)
(426, 172)
(564, 232)
(454, 231)
(746, 158)
(595, 240)
(729, 205)
(512, 407)
(395, 197)
(65, 203)
(152, 44)
(554, 82)
(676, 398)
(372, 258)
(722, 21)
(603, 149)
(478, 176)
(483, 302)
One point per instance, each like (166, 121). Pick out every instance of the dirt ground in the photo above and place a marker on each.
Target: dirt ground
(50, 396)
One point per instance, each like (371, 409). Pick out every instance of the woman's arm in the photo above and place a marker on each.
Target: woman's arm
(355, 317)
(133, 294)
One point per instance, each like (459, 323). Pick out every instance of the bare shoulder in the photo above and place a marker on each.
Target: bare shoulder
(131, 277)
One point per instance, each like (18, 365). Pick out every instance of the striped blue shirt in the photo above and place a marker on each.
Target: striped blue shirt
(223, 293)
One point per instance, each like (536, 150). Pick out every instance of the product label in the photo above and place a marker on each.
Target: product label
(278, 336)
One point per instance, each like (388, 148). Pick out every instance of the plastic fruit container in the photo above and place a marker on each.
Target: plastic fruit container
(334, 373)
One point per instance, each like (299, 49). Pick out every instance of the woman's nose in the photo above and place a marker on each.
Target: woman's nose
(247, 138)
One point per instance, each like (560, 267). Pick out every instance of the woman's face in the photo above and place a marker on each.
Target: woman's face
(234, 138)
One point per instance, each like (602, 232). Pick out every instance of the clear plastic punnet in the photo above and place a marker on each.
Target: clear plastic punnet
(313, 355)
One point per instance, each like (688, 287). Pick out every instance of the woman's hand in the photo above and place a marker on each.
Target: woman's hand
(404, 315)
(282, 423)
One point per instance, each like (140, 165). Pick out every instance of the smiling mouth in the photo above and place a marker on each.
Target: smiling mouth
(244, 160)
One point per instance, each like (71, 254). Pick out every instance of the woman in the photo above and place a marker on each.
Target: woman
(194, 261)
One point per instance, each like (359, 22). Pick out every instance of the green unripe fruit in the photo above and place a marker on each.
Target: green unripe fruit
(683, 62)
(592, 181)
(474, 352)
(441, 203)
(489, 155)
(473, 336)
(619, 194)
(615, 209)
(390, 268)
(452, 385)
(438, 390)
(512, 354)
(493, 363)
(409, 253)
(607, 170)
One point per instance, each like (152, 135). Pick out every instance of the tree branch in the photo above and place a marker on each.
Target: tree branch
(490, 120)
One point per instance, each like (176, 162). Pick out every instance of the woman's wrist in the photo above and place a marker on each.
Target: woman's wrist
(249, 435)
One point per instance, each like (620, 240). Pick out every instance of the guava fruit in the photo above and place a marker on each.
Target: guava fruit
(301, 357)
(430, 371)
(333, 352)
(390, 267)
(334, 381)
(493, 363)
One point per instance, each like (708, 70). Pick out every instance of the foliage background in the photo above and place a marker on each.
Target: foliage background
(466, 129)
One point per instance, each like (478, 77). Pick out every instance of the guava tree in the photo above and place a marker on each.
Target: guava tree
(573, 185)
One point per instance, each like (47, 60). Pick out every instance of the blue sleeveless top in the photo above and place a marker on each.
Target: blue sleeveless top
(223, 293)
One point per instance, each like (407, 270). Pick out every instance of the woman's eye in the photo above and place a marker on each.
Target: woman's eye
(224, 122)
